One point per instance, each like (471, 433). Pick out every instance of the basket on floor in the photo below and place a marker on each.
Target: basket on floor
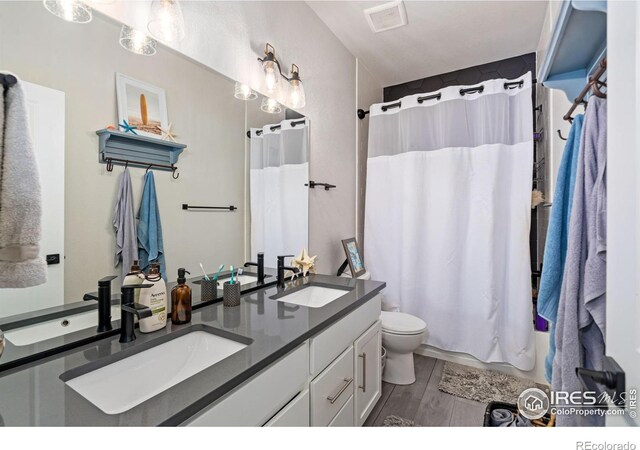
(547, 421)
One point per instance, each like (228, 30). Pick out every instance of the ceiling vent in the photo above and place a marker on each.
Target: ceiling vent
(387, 16)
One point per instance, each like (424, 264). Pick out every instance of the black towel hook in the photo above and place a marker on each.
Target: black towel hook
(560, 136)
(148, 167)
(109, 165)
(174, 173)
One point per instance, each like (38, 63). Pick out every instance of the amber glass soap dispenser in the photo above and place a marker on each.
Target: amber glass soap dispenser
(181, 300)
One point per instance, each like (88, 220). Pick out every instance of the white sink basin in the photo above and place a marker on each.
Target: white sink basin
(242, 279)
(121, 385)
(312, 296)
(42, 331)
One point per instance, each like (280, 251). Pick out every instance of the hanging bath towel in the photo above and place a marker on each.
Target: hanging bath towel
(20, 199)
(555, 249)
(150, 246)
(580, 330)
(125, 226)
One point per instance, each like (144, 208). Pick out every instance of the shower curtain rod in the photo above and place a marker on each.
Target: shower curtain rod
(508, 85)
(594, 84)
(277, 127)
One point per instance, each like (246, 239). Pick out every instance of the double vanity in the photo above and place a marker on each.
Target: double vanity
(305, 355)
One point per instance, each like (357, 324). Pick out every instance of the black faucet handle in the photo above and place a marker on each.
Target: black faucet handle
(90, 296)
(138, 309)
(106, 281)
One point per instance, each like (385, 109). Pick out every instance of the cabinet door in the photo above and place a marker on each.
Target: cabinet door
(295, 414)
(368, 373)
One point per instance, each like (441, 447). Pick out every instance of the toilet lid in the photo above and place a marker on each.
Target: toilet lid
(401, 323)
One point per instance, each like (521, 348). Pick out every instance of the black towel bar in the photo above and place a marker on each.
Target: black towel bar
(187, 207)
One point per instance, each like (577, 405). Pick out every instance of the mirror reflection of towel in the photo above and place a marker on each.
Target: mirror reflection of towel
(21, 265)
(150, 246)
(125, 225)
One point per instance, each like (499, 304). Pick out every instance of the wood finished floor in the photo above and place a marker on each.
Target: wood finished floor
(423, 403)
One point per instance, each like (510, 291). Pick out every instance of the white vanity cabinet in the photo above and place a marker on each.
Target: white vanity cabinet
(354, 340)
(368, 372)
(333, 379)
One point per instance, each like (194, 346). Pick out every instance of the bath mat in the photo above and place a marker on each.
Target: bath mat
(482, 385)
(395, 421)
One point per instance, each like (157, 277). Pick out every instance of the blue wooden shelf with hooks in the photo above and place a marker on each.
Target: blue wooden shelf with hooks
(116, 147)
(578, 43)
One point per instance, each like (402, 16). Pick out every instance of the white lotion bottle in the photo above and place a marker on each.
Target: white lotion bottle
(133, 278)
(154, 298)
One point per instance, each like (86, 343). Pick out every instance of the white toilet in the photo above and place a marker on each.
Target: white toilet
(401, 335)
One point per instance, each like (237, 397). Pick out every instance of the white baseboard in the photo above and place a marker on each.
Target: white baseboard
(537, 374)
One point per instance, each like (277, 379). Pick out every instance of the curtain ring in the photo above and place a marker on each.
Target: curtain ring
(174, 172)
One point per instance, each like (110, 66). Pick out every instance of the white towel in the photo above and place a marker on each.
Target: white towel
(124, 224)
(20, 200)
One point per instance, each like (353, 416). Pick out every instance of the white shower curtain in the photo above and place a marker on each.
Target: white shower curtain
(448, 210)
(279, 198)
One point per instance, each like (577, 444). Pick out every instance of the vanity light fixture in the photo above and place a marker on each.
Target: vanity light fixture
(70, 10)
(271, 106)
(271, 68)
(297, 98)
(166, 22)
(244, 92)
(272, 73)
(137, 41)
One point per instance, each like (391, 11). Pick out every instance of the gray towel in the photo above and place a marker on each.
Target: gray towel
(21, 265)
(580, 329)
(124, 225)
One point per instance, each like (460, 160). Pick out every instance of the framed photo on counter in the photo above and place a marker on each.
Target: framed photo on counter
(354, 258)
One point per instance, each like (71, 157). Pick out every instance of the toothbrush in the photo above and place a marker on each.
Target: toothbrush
(215, 277)
(232, 282)
(204, 272)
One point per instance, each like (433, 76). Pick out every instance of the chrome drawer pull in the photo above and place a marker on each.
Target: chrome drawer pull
(364, 372)
(347, 383)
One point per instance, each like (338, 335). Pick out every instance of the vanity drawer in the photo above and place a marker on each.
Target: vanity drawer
(345, 416)
(331, 390)
(295, 414)
(325, 347)
(256, 400)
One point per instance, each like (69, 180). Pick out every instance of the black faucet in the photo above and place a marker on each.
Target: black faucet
(260, 266)
(282, 268)
(129, 310)
(104, 302)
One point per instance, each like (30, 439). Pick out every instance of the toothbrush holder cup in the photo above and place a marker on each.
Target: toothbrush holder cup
(231, 293)
(208, 290)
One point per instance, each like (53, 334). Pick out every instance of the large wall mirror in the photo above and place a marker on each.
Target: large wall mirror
(238, 153)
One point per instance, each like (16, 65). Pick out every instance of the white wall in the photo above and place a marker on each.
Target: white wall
(623, 195)
(81, 60)
(229, 36)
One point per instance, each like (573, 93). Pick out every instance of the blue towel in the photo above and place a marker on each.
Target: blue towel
(555, 250)
(150, 247)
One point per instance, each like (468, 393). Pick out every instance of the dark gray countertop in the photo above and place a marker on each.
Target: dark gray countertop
(34, 394)
(14, 355)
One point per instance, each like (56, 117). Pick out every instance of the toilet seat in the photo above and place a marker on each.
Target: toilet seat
(401, 323)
